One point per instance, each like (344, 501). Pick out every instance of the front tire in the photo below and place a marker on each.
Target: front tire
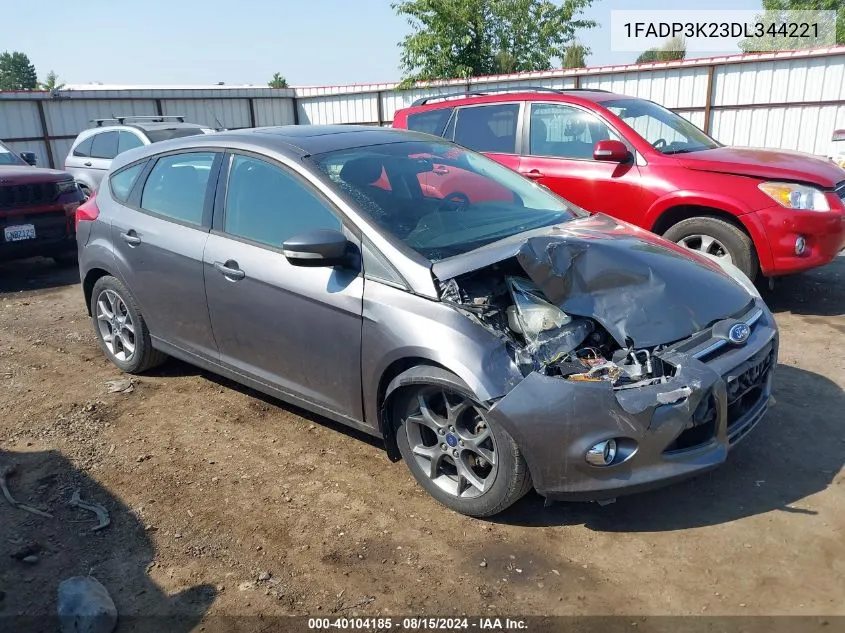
(457, 453)
(719, 238)
(120, 327)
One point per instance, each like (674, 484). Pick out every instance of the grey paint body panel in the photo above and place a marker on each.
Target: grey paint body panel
(324, 338)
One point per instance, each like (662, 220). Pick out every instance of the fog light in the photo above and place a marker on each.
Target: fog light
(602, 454)
(800, 245)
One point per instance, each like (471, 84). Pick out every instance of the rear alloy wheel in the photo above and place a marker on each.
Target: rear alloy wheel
(459, 455)
(121, 329)
(717, 238)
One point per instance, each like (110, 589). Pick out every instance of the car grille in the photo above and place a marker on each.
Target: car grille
(840, 190)
(29, 195)
(746, 386)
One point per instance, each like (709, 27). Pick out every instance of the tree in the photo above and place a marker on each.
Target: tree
(773, 16)
(468, 38)
(673, 49)
(278, 81)
(51, 82)
(575, 56)
(17, 72)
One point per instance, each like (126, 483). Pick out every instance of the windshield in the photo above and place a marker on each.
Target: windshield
(8, 157)
(440, 199)
(165, 134)
(666, 131)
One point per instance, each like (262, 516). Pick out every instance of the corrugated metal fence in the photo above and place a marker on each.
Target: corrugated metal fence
(789, 100)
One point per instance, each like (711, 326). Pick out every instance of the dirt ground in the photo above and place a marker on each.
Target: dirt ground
(223, 501)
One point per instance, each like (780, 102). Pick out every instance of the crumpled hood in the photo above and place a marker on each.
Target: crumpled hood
(643, 289)
(766, 164)
(24, 174)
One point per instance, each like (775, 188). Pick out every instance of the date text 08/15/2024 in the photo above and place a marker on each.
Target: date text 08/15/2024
(418, 624)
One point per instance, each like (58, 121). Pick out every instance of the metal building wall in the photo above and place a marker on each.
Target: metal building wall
(791, 100)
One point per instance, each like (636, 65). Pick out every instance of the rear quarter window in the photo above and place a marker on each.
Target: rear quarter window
(122, 181)
(431, 122)
(84, 148)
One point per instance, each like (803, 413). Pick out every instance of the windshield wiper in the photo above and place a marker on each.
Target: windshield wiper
(681, 151)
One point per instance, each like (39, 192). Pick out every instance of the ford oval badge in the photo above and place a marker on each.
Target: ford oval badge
(739, 333)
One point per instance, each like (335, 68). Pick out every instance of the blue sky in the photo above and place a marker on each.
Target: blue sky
(312, 42)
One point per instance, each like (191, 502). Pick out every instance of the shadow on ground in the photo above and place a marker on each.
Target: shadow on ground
(783, 461)
(37, 273)
(819, 292)
(118, 556)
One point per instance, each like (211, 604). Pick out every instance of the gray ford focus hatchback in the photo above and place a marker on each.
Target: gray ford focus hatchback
(497, 337)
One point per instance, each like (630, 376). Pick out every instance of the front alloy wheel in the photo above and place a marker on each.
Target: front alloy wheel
(452, 444)
(457, 453)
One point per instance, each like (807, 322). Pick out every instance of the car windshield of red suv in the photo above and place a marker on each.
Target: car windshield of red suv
(441, 200)
(8, 157)
(666, 131)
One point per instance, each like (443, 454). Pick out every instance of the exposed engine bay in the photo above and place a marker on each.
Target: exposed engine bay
(543, 338)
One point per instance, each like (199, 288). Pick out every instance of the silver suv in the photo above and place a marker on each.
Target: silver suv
(91, 154)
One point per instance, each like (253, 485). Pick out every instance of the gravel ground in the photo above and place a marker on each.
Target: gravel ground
(224, 501)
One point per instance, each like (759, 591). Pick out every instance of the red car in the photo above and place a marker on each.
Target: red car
(37, 209)
(769, 211)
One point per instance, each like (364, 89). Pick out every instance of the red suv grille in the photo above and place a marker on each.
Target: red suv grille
(29, 195)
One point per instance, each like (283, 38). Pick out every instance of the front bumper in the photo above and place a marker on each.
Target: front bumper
(555, 421)
(824, 232)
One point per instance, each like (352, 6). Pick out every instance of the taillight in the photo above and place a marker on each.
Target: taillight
(88, 211)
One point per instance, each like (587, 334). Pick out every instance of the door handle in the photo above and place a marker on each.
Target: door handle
(440, 171)
(534, 174)
(131, 237)
(88, 163)
(229, 270)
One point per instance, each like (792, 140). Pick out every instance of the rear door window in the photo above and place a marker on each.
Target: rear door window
(127, 141)
(176, 186)
(105, 145)
(431, 122)
(488, 128)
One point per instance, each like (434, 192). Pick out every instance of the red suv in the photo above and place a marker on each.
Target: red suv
(37, 209)
(769, 211)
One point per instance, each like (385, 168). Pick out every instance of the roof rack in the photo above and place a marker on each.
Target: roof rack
(152, 119)
(481, 93)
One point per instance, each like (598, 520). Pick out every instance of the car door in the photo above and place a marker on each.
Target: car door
(159, 236)
(559, 154)
(488, 128)
(296, 329)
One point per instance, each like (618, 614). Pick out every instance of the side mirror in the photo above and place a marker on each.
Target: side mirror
(322, 247)
(611, 151)
(29, 158)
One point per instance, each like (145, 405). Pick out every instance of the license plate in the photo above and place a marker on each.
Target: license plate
(19, 232)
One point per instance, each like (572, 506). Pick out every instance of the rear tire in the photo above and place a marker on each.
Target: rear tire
(480, 472)
(709, 234)
(120, 327)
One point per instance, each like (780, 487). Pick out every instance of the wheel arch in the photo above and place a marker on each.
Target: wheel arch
(672, 215)
(92, 277)
(402, 374)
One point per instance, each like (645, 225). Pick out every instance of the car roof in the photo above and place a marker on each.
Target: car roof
(570, 95)
(292, 140)
(318, 139)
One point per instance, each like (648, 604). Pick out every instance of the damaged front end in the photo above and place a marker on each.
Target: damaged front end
(543, 338)
(615, 361)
